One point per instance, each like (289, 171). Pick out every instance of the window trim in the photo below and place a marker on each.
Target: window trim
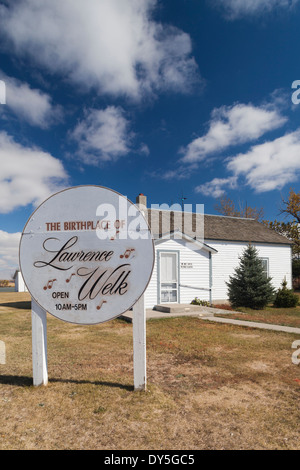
(158, 274)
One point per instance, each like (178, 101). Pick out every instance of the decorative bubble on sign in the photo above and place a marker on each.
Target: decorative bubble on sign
(86, 254)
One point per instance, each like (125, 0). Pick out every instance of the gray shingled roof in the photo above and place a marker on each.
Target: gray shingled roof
(215, 227)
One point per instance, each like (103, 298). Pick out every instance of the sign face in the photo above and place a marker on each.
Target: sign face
(186, 265)
(86, 254)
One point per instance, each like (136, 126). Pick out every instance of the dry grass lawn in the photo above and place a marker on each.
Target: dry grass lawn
(277, 316)
(210, 386)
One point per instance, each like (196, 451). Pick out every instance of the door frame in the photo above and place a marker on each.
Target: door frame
(177, 252)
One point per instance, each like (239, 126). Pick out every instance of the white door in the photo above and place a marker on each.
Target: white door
(168, 277)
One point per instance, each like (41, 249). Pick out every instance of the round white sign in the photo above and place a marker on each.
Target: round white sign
(86, 254)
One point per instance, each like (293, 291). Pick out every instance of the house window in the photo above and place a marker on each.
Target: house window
(265, 263)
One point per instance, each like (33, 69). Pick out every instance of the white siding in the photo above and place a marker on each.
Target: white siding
(151, 291)
(227, 259)
(191, 279)
(223, 264)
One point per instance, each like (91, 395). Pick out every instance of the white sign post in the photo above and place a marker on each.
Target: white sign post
(87, 255)
(39, 344)
(139, 345)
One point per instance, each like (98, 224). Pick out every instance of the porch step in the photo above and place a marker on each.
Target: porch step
(177, 308)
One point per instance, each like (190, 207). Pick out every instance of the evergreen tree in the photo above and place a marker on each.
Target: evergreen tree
(250, 287)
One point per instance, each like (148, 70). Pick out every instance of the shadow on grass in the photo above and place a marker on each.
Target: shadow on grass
(25, 305)
(19, 380)
(24, 381)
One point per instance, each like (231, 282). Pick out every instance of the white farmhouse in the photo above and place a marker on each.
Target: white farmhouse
(196, 256)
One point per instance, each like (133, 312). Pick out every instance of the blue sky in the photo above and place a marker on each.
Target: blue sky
(167, 98)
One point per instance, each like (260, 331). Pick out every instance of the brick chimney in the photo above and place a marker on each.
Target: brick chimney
(141, 202)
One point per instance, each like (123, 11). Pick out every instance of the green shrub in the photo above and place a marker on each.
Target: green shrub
(203, 303)
(285, 298)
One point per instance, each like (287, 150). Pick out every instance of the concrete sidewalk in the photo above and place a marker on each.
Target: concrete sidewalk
(150, 314)
(180, 311)
(207, 313)
(252, 324)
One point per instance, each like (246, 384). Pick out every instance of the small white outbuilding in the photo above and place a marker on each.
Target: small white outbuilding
(195, 259)
(19, 282)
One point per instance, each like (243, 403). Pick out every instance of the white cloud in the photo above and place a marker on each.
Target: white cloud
(178, 172)
(9, 253)
(270, 165)
(31, 105)
(103, 135)
(27, 175)
(144, 150)
(234, 9)
(114, 46)
(230, 126)
(215, 188)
